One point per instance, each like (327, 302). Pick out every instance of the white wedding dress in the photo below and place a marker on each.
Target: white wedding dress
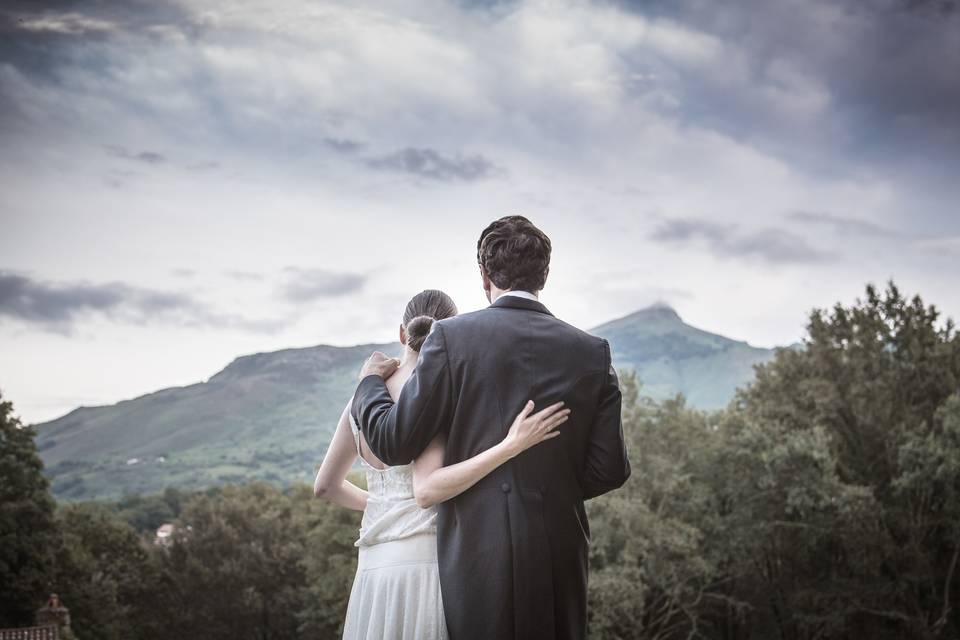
(396, 592)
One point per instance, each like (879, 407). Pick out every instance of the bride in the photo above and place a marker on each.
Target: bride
(396, 591)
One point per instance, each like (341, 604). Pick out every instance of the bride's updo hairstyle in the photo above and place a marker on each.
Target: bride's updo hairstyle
(422, 310)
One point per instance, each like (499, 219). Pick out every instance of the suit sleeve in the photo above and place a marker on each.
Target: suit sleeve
(398, 432)
(606, 466)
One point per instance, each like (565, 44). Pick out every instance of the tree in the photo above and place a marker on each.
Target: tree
(330, 562)
(245, 562)
(650, 568)
(146, 513)
(103, 574)
(824, 502)
(871, 391)
(785, 530)
(235, 567)
(28, 536)
(929, 476)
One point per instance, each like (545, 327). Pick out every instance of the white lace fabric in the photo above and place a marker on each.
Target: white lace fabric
(392, 512)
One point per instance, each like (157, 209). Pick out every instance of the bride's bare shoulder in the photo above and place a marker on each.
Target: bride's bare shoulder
(396, 381)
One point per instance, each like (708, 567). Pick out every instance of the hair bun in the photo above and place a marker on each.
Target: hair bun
(417, 331)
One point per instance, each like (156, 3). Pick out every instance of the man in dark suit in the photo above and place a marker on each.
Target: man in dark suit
(513, 548)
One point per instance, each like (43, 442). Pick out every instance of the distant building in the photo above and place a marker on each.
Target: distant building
(163, 534)
(133, 460)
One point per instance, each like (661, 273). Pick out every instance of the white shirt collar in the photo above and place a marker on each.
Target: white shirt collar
(519, 294)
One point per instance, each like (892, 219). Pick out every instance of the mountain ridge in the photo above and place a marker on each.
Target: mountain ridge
(269, 415)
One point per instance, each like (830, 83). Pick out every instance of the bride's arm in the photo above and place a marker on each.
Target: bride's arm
(331, 483)
(433, 483)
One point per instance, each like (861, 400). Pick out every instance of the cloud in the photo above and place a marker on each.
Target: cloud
(246, 276)
(306, 285)
(205, 165)
(813, 80)
(70, 18)
(844, 224)
(431, 164)
(149, 157)
(65, 23)
(59, 306)
(774, 246)
(343, 145)
(943, 244)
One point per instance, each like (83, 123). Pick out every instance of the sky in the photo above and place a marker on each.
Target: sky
(185, 182)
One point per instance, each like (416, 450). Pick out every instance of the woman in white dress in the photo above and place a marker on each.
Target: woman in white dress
(396, 591)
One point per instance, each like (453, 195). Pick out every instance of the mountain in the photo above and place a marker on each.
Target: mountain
(670, 356)
(270, 415)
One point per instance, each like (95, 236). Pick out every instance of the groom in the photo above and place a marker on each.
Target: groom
(513, 548)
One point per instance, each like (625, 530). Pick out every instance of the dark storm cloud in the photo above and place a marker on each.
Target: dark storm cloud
(431, 164)
(56, 303)
(35, 35)
(44, 44)
(78, 18)
(305, 285)
(887, 69)
(59, 306)
(774, 246)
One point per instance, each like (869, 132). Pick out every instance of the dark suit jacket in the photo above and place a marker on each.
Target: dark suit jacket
(513, 548)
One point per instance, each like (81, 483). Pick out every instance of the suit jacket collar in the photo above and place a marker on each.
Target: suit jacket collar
(515, 302)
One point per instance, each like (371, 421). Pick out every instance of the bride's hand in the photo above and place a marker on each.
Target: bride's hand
(528, 430)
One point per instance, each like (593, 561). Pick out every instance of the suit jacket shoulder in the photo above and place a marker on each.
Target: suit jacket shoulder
(490, 325)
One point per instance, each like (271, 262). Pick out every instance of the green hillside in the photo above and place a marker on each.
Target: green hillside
(269, 416)
(670, 356)
(265, 416)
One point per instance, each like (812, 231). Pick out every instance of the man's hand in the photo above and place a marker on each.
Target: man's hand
(379, 364)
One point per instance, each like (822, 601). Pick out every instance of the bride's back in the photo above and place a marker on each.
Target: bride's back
(418, 318)
(394, 387)
(392, 511)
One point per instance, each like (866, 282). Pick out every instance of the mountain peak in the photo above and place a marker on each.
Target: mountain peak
(660, 309)
(658, 317)
(658, 312)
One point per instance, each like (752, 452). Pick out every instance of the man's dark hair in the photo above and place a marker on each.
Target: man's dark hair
(515, 254)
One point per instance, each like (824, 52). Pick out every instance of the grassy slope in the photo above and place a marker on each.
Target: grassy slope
(266, 416)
